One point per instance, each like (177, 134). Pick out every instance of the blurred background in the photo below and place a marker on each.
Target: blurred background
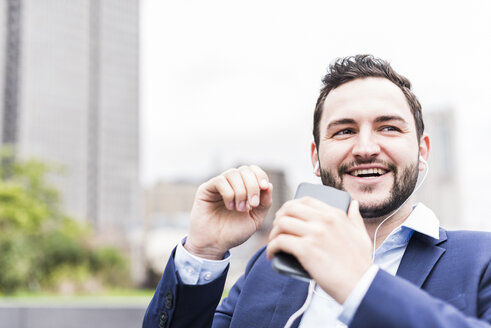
(113, 112)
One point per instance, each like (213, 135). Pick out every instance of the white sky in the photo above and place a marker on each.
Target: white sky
(228, 81)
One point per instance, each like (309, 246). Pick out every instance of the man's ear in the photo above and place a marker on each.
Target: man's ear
(314, 156)
(424, 150)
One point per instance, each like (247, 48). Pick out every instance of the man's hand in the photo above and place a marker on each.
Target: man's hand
(227, 210)
(333, 247)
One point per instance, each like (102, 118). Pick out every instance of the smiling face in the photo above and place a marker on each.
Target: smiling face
(368, 144)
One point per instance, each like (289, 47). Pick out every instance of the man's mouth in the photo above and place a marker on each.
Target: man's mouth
(368, 173)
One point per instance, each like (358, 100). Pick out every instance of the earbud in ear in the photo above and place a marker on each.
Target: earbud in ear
(316, 167)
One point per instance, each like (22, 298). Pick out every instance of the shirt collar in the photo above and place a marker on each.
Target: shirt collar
(424, 221)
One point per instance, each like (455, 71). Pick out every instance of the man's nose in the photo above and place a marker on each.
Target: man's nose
(366, 146)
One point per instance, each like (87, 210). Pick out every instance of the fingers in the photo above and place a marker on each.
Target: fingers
(286, 243)
(307, 216)
(234, 178)
(266, 198)
(251, 185)
(223, 187)
(289, 225)
(308, 208)
(261, 177)
(244, 188)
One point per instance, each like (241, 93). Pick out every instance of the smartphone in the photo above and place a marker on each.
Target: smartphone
(285, 263)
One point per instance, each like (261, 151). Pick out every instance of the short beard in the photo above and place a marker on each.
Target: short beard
(404, 184)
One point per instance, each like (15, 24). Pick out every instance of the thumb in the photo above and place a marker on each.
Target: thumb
(265, 202)
(354, 214)
(266, 197)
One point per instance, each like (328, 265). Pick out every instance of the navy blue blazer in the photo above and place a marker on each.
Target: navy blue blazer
(439, 283)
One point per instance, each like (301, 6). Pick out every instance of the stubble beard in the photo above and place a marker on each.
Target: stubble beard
(402, 188)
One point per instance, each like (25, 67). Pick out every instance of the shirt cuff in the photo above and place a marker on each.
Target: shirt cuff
(357, 294)
(194, 270)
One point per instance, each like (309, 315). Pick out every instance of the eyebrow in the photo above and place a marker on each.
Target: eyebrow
(341, 121)
(387, 118)
(380, 119)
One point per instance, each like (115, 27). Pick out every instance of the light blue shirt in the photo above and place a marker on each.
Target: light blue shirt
(323, 309)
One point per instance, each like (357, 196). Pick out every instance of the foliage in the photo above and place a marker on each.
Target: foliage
(41, 248)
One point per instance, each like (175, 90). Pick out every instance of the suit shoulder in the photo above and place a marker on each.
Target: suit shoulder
(470, 240)
(469, 236)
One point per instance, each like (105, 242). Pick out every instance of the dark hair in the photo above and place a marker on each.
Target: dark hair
(347, 69)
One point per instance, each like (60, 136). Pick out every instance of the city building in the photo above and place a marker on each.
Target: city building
(69, 79)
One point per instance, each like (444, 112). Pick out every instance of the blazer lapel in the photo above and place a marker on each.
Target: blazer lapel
(421, 255)
(292, 297)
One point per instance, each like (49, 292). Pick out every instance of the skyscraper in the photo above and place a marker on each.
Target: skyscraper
(69, 80)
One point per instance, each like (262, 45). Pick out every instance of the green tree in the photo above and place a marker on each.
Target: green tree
(40, 246)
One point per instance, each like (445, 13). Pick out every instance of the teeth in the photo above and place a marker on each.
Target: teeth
(368, 171)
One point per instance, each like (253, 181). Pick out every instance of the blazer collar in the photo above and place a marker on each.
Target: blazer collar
(421, 255)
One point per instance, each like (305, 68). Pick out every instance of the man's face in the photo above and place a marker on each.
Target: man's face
(368, 144)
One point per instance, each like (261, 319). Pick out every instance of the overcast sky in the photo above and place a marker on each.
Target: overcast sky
(225, 81)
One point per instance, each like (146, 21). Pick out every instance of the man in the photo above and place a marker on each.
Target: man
(368, 140)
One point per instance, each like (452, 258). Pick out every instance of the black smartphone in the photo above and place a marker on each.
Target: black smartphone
(285, 263)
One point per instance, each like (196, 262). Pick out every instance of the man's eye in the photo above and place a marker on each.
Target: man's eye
(343, 132)
(390, 128)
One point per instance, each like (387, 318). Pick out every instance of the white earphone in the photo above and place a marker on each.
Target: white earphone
(316, 167)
